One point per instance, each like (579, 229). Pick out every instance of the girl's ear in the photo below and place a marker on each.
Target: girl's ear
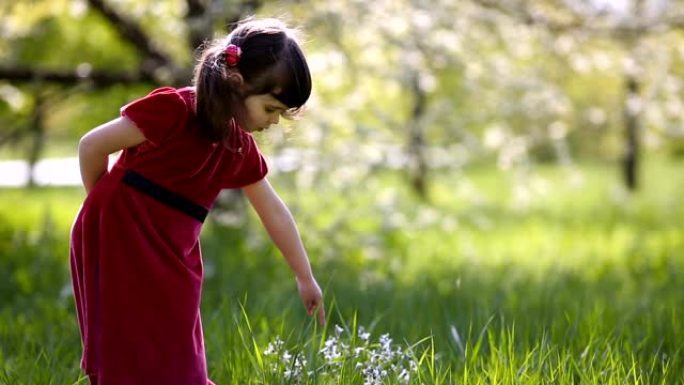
(236, 80)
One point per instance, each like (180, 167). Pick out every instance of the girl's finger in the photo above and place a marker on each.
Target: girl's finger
(321, 314)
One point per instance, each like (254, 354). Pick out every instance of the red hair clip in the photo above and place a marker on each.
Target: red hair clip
(233, 53)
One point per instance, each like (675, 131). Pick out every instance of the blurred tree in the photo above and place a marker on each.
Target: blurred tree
(377, 84)
(529, 80)
(630, 23)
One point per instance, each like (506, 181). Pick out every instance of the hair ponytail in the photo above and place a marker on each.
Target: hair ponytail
(218, 93)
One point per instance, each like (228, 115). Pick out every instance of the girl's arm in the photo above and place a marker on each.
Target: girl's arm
(282, 229)
(95, 147)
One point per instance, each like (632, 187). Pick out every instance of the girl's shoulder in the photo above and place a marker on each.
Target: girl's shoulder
(165, 99)
(162, 112)
(163, 90)
(186, 94)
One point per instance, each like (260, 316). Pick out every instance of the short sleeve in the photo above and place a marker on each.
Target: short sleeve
(158, 115)
(252, 166)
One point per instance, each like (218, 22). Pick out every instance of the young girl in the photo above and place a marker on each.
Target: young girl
(135, 252)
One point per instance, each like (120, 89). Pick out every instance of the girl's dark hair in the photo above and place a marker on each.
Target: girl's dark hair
(271, 62)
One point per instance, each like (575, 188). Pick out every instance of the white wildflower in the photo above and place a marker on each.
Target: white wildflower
(274, 347)
(363, 335)
(286, 357)
(332, 349)
(385, 340)
(404, 376)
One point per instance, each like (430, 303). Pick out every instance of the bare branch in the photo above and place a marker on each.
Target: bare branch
(95, 77)
(201, 15)
(199, 25)
(132, 32)
(245, 8)
(196, 7)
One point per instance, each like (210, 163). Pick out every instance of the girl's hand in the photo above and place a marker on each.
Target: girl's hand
(311, 295)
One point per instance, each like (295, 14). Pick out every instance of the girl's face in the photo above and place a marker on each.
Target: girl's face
(262, 111)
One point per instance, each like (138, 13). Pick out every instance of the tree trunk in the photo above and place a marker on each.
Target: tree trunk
(37, 133)
(631, 116)
(418, 169)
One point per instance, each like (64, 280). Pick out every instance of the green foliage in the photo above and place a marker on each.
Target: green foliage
(577, 284)
(495, 88)
(64, 40)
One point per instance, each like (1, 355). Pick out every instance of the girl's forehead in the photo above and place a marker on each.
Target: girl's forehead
(269, 98)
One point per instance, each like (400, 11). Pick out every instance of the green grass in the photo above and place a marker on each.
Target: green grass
(574, 284)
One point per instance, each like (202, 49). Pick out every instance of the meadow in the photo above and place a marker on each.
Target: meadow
(566, 279)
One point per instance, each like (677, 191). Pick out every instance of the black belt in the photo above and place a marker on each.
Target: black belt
(165, 196)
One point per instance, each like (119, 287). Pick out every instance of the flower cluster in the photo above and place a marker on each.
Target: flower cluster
(381, 360)
(281, 359)
(374, 361)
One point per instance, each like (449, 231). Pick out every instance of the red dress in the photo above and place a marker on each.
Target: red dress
(136, 261)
